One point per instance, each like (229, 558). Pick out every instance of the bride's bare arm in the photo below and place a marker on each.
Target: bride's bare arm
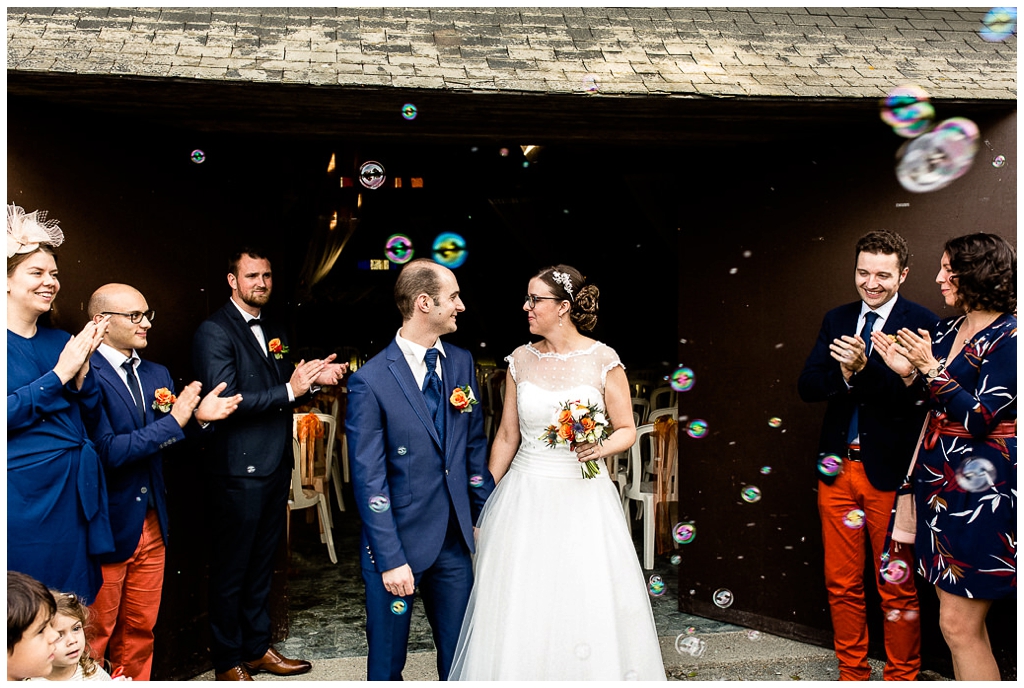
(619, 409)
(506, 440)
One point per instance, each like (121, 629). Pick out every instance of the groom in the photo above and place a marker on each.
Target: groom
(419, 467)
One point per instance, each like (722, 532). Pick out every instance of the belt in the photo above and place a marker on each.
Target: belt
(853, 454)
(941, 425)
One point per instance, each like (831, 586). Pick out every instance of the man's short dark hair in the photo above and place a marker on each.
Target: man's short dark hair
(25, 595)
(884, 241)
(419, 276)
(236, 257)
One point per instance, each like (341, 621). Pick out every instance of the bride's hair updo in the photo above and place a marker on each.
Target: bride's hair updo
(568, 284)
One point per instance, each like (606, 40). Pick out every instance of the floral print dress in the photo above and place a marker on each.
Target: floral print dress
(966, 487)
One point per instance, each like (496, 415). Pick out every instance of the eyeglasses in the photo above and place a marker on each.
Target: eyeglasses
(135, 316)
(532, 300)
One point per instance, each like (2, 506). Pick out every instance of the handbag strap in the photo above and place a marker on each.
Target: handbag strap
(913, 462)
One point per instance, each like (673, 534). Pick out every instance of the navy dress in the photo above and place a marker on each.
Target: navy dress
(965, 487)
(57, 520)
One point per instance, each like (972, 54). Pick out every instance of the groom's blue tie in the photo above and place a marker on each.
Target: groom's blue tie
(433, 394)
(865, 334)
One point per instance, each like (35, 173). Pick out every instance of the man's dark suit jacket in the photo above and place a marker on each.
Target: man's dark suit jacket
(131, 452)
(256, 437)
(889, 416)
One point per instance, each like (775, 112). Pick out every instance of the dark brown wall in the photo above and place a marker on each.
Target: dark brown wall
(798, 209)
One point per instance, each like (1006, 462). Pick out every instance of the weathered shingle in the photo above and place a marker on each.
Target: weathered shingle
(811, 52)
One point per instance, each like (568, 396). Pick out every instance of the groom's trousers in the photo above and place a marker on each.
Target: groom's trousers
(444, 588)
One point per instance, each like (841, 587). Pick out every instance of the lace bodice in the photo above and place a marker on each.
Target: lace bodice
(543, 382)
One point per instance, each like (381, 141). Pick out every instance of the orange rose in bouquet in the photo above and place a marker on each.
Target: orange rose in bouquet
(577, 423)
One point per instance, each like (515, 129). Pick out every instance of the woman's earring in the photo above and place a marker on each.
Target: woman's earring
(559, 321)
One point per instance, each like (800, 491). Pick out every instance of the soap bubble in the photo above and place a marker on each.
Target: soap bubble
(409, 111)
(656, 586)
(379, 503)
(590, 84)
(399, 607)
(766, 470)
(684, 533)
(697, 428)
(934, 160)
(830, 465)
(371, 174)
(690, 645)
(753, 635)
(892, 615)
(976, 475)
(476, 481)
(682, 379)
(751, 494)
(722, 598)
(450, 250)
(774, 422)
(998, 161)
(854, 519)
(907, 110)
(198, 156)
(675, 560)
(896, 571)
(503, 152)
(999, 24)
(398, 248)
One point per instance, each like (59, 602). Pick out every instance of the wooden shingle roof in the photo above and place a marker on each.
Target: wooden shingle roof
(836, 53)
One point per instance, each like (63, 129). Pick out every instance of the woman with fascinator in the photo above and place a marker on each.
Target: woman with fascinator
(558, 592)
(56, 495)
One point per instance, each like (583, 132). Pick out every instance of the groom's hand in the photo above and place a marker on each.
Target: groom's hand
(399, 581)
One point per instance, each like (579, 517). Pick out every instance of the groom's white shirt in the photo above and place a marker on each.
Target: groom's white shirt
(414, 355)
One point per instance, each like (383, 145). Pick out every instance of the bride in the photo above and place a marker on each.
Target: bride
(559, 593)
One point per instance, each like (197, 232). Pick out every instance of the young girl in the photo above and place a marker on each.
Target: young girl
(72, 660)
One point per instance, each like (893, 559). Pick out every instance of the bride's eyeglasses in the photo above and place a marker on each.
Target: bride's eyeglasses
(532, 300)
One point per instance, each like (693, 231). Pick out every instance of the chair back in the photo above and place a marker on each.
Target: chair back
(664, 397)
(636, 459)
(322, 447)
(659, 412)
(642, 407)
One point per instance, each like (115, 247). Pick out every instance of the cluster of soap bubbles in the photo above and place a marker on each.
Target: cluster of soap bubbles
(448, 249)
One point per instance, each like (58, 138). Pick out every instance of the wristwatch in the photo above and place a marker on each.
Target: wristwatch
(935, 372)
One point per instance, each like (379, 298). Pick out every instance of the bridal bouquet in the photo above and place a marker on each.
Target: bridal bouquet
(576, 423)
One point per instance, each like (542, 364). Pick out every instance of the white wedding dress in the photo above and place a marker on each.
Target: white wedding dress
(559, 594)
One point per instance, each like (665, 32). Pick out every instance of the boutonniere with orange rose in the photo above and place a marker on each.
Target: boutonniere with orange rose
(577, 423)
(164, 400)
(463, 399)
(277, 348)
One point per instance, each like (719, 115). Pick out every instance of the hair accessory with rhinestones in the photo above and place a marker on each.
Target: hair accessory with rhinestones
(563, 279)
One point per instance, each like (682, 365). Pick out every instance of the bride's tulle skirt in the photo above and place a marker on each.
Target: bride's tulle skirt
(559, 593)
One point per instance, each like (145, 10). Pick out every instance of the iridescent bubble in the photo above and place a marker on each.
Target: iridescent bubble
(371, 174)
(722, 598)
(896, 571)
(583, 651)
(775, 422)
(379, 504)
(751, 494)
(682, 379)
(476, 481)
(733, 271)
(450, 250)
(999, 24)
(907, 110)
(398, 248)
(399, 607)
(766, 470)
(198, 156)
(697, 428)
(998, 161)
(684, 533)
(910, 614)
(975, 474)
(854, 519)
(590, 84)
(503, 152)
(830, 465)
(753, 635)
(690, 645)
(934, 160)
(409, 111)
(690, 630)
(893, 615)
(675, 560)
(656, 586)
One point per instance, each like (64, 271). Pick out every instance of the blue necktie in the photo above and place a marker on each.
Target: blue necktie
(135, 388)
(865, 334)
(432, 392)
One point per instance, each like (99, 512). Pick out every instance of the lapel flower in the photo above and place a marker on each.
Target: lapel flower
(277, 348)
(163, 400)
(462, 398)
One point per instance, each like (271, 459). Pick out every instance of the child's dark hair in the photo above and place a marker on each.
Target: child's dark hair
(25, 595)
(70, 605)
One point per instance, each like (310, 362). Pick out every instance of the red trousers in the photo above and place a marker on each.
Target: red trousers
(124, 613)
(844, 579)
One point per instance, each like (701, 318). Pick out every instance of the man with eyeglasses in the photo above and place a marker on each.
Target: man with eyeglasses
(135, 424)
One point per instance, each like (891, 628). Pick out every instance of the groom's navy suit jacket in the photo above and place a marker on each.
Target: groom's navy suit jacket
(131, 451)
(889, 416)
(395, 452)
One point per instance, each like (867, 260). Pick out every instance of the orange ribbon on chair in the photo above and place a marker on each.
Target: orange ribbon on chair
(310, 428)
(666, 490)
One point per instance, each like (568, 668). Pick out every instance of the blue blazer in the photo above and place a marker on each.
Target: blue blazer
(131, 452)
(889, 417)
(395, 452)
(256, 438)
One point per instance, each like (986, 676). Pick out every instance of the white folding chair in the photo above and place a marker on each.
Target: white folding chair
(304, 497)
(640, 490)
(659, 412)
(341, 444)
(642, 407)
(324, 449)
(664, 397)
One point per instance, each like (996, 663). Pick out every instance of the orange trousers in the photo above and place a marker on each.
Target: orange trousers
(844, 579)
(122, 618)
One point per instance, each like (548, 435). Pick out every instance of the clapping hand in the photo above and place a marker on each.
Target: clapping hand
(215, 407)
(74, 358)
(916, 348)
(849, 351)
(889, 351)
(306, 373)
(186, 402)
(332, 372)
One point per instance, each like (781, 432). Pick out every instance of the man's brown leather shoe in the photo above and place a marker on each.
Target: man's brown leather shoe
(275, 663)
(235, 673)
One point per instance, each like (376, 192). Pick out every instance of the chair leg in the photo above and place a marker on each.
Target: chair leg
(325, 524)
(648, 536)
